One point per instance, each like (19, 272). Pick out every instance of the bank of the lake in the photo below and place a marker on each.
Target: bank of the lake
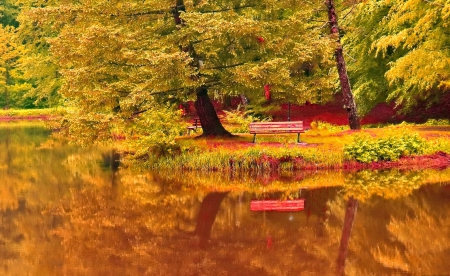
(42, 114)
(403, 147)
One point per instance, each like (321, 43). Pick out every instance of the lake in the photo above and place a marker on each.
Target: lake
(67, 210)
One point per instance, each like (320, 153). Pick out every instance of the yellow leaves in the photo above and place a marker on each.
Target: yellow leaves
(383, 43)
(421, 68)
(446, 15)
(407, 57)
(421, 236)
(389, 183)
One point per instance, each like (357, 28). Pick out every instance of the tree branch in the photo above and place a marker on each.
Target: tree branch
(353, 6)
(434, 3)
(168, 91)
(170, 11)
(127, 65)
(226, 66)
(181, 88)
(230, 9)
(148, 13)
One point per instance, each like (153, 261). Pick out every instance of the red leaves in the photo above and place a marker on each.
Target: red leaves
(267, 93)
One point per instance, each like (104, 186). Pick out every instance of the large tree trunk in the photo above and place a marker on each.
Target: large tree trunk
(349, 102)
(207, 215)
(350, 214)
(209, 120)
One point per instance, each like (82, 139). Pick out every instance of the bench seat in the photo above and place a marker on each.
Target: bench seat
(276, 127)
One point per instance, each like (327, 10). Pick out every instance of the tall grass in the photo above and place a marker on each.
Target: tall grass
(253, 159)
(280, 153)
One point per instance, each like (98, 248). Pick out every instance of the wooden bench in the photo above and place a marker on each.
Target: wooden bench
(276, 127)
(195, 124)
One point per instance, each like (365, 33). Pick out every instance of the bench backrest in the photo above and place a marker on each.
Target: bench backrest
(276, 127)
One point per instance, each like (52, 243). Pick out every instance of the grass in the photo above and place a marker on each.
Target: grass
(32, 112)
(324, 149)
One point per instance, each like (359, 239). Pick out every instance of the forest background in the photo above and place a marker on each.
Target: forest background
(126, 66)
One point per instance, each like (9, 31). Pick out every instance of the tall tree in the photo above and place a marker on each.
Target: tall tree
(122, 58)
(401, 51)
(349, 102)
(38, 81)
(209, 120)
(13, 85)
(37, 65)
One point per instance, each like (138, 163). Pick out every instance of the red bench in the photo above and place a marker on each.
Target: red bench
(277, 205)
(276, 127)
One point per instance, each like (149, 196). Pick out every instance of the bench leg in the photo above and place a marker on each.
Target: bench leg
(298, 138)
(254, 138)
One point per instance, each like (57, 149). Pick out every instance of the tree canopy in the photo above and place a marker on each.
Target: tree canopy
(401, 51)
(122, 58)
(29, 75)
(13, 84)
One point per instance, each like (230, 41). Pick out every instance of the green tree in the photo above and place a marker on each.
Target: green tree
(13, 85)
(8, 13)
(32, 75)
(121, 58)
(349, 102)
(37, 65)
(401, 51)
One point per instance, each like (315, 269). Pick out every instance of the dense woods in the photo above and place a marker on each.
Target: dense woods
(118, 65)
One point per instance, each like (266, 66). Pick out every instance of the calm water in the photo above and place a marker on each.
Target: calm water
(68, 211)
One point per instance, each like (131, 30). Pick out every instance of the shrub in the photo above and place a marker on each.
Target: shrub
(320, 125)
(437, 122)
(240, 120)
(366, 149)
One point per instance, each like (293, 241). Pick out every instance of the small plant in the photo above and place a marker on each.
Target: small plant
(390, 148)
(320, 125)
(240, 120)
(440, 144)
(437, 122)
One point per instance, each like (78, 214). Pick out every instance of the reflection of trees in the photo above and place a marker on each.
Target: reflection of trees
(146, 229)
(391, 183)
(144, 224)
(32, 177)
(400, 235)
(286, 183)
(422, 243)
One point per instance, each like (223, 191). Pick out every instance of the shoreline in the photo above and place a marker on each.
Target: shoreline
(14, 118)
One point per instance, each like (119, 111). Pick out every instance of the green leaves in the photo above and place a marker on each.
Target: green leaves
(366, 149)
(120, 58)
(400, 50)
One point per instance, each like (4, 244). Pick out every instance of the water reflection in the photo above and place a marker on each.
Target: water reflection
(69, 211)
(350, 214)
(207, 215)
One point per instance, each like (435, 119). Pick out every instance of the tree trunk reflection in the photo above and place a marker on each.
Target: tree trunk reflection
(350, 214)
(207, 215)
